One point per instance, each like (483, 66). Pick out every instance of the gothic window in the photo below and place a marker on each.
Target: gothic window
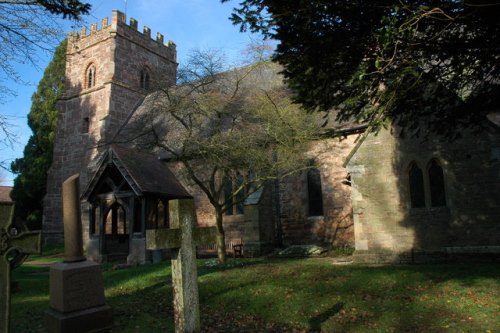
(417, 191)
(427, 190)
(314, 192)
(237, 201)
(436, 184)
(240, 197)
(145, 79)
(90, 76)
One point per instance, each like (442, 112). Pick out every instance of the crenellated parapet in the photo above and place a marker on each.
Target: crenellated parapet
(110, 68)
(88, 37)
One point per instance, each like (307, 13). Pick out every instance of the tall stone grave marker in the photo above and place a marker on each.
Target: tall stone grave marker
(77, 301)
(12, 242)
(182, 238)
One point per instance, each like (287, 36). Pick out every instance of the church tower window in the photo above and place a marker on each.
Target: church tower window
(145, 79)
(436, 184)
(417, 190)
(90, 76)
(86, 125)
(314, 192)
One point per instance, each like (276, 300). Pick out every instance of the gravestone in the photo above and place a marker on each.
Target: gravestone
(77, 302)
(182, 238)
(13, 243)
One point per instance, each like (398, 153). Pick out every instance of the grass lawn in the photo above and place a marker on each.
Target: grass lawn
(290, 295)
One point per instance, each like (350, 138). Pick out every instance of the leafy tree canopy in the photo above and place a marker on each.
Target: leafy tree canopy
(31, 180)
(378, 61)
(71, 9)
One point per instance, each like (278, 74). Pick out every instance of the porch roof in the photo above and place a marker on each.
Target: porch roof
(144, 172)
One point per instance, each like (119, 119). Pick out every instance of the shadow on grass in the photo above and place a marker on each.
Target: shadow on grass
(285, 295)
(315, 296)
(147, 309)
(316, 321)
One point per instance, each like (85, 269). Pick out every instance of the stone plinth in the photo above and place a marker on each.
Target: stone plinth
(77, 302)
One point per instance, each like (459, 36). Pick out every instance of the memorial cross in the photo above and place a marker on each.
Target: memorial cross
(182, 238)
(12, 241)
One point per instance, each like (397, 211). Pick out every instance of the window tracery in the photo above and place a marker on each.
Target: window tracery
(426, 189)
(90, 76)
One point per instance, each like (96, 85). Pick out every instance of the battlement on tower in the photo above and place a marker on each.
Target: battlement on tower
(118, 26)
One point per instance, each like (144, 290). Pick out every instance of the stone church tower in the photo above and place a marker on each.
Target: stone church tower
(109, 71)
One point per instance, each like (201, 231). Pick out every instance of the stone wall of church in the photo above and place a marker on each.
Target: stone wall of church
(259, 227)
(90, 115)
(335, 226)
(386, 226)
(255, 228)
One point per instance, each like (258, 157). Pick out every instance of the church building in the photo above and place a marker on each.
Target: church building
(393, 199)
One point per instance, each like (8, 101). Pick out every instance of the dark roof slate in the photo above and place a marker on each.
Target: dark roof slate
(150, 173)
(145, 173)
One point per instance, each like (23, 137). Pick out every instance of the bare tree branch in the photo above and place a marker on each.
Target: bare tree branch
(238, 126)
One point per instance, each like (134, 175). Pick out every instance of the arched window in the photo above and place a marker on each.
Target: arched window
(240, 197)
(314, 192)
(417, 191)
(90, 76)
(436, 184)
(237, 201)
(145, 79)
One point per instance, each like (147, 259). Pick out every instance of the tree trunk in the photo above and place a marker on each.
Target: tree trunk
(221, 238)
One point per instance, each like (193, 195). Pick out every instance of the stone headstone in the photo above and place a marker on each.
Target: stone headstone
(12, 242)
(182, 239)
(73, 240)
(77, 302)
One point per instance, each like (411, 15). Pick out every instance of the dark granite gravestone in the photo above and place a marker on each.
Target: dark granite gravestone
(182, 239)
(77, 302)
(13, 243)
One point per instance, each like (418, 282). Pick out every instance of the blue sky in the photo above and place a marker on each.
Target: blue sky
(191, 24)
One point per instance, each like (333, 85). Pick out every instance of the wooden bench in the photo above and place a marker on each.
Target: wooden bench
(234, 246)
(238, 250)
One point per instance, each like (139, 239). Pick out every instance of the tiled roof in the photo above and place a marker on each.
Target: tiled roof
(5, 193)
(150, 173)
(145, 173)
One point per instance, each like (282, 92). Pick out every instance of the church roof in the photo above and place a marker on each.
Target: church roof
(5, 193)
(144, 172)
(265, 77)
